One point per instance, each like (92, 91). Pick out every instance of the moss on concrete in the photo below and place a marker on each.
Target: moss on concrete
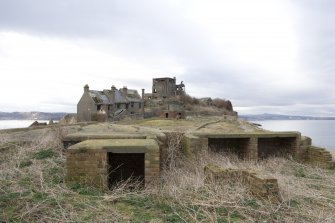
(117, 145)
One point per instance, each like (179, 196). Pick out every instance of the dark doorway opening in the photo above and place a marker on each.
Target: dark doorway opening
(166, 115)
(237, 146)
(269, 147)
(123, 166)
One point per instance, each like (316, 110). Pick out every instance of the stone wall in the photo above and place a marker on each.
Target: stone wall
(152, 167)
(252, 151)
(163, 87)
(87, 167)
(262, 186)
(305, 142)
(172, 114)
(192, 145)
(247, 146)
(319, 157)
(227, 115)
(86, 108)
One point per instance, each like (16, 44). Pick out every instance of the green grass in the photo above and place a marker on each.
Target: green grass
(25, 163)
(300, 172)
(85, 190)
(44, 154)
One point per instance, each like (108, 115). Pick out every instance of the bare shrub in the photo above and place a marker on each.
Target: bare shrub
(173, 156)
(188, 100)
(49, 138)
(306, 192)
(60, 133)
(32, 186)
(4, 138)
(221, 103)
(36, 191)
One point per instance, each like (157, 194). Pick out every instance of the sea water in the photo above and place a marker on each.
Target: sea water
(11, 124)
(322, 132)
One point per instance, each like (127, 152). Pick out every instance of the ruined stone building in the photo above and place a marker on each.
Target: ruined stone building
(112, 103)
(163, 102)
(165, 87)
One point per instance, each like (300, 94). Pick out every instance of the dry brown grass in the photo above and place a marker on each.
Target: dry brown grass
(307, 192)
(172, 156)
(32, 189)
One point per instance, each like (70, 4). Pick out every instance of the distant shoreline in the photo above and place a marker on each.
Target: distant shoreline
(32, 115)
(264, 117)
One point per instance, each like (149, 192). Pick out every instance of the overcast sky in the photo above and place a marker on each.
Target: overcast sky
(266, 56)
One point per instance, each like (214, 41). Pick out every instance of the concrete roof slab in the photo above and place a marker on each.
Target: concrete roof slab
(116, 146)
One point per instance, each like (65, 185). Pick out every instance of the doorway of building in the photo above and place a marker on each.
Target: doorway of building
(126, 166)
(237, 146)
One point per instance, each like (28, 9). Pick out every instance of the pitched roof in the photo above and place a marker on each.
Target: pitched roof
(100, 97)
(133, 96)
(119, 98)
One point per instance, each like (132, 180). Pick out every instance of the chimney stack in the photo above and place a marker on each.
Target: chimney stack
(124, 90)
(113, 89)
(143, 91)
(86, 88)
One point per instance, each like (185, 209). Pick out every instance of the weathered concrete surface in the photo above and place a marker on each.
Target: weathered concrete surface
(260, 185)
(113, 131)
(116, 145)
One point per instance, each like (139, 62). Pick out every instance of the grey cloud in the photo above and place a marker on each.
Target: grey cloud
(146, 27)
(56, 17)
(151, 31)
(316, 35)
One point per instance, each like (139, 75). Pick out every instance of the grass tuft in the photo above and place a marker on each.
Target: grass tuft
(43, 154)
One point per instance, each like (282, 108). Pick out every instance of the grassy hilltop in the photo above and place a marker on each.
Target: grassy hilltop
(32, 187)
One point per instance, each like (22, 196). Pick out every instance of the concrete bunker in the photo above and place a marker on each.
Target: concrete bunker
(276, 146)
(105, 162)
(237, 146)
(251, 146)
(126, 166)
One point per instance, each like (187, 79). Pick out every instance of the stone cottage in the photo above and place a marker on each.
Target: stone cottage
(113, 103)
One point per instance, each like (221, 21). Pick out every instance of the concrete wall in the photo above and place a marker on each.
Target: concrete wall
(258, 184)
